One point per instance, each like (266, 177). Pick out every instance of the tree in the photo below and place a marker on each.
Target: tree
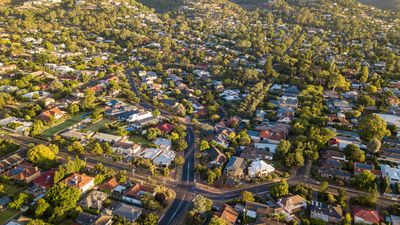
(97, 149)
(211, 177)
(385, 185)
(180, 160)
(201, 204)
(73, 108)
(41, 207)
(354, 153)
(373, 127)
(247, 196)
(76, 147)
(217, 221)
(364, 74)
(324, 187)
(338, 81)
(244, 138)
(346, 220)
(150, 219)
(331, 198)
(374, 145)
(204, 145)
(18, 200)
(342, 198)
(365, 180)
(88, 101)
(152, 133)
(280, 189)
(150, 203)
(63, 200)
(1, 189)
(181, 145)
(37, 222)
(42, 155)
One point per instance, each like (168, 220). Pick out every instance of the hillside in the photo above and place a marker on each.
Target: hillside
(162, 5)
(383, 4)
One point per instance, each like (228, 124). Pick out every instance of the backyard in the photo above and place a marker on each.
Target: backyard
(62, 126)
(7, 215)
(98, 125)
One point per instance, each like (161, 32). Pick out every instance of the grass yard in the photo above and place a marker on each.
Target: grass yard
(97, 126)
(7, 215)
(62, 126)
(10, 189)
(139, 140)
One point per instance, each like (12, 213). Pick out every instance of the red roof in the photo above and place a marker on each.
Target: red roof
(166, 127)
(45, 180)
(367, 215)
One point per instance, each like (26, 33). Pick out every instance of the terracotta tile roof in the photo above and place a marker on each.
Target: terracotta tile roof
(109, 185)
(371, 216)
(228, 214)
(78, 180)
(135, 190)
(46, 180)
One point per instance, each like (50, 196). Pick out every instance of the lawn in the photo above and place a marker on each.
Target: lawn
(97, 126)
(7, 215)
(139, 140)
(62, 126)
(10, 189)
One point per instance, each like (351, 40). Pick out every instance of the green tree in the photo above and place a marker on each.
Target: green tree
(180, 160)
(150, 219)
(63, 200)
(42, 155)
(76, 147)
(338, 81)
(354, 153)
(217, 221)
(346, 220)
(41, 207)
(365, 180)
(280, 189)
(385, 185)
(364, 74)
(97, 149)
(37, 222)
(88, 101)
(18, 200)
(373, 127)
(247, 196)
(324, 187)
(73, 108)
(204, 145)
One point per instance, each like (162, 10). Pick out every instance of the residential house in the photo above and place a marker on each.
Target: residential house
(165, 127)
(235, 167)
(24, 172)
(10, 162)
(217, 158)
(48, 115)
(391, 155)
(272, 136)
(45, 180)
(293, 204)
(390, 119)
(269, 147)
(332, 169)
(150, 153)
(331, 154)
(228, 214)
(259, 168)
(75, 134)
(36, 95)
(109, 185)
(84, 218)
(163, 143)
(80, 181)
(93, 200)
(103, 137)
(341, 142)
(165, 158)
(366, 216)
(134, 193)
(338, 119)
(139, 116)
(255, 154)
(328, 213)
(255, 209)
(16, 125)
(126, 147)
(4, 201)
(360, 167)
(392, 174)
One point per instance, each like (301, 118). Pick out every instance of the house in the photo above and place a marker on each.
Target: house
(139, 116)
(391, 155)
(150, 153)
(255, 154)
(103, 137)
(392, 174)
(138, 190)
(360, 167)
(217, 158)
(255, 209)
(109, 185)
(4, 202)
(165, 158)
(366, 216)
(8, 68)
(272, 136)
(293, 204)
(10, 162)
(269, 147)
(93, 200)
(331, 154)
(80, 181)
(84, 218)
(75, 134)
(165, 127)
(163, 143)
(341, 142)
(235, 167)
(24, 172)
(126, 147)
(36, 95)
(327, 213)
(228, 214)
(45, 180)
(259, 168)
(48, 115)
(390, 119)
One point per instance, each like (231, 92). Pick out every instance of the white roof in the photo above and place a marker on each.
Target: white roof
(151, 153)
(390, 119)
(164, 158)
(392, 173)
(260, 165)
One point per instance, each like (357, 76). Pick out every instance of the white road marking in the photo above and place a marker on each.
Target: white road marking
(177, 208)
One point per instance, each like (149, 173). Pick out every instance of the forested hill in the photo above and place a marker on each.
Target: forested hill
(383, 4)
